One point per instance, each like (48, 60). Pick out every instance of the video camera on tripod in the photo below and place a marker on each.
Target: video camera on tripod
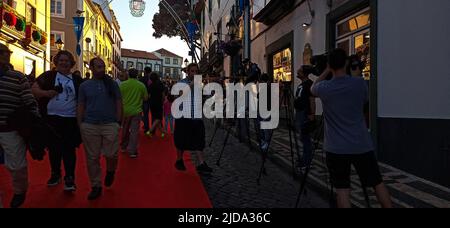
(318, 65)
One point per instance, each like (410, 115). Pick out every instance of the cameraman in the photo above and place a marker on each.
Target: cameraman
(305, 109)
(347, 140)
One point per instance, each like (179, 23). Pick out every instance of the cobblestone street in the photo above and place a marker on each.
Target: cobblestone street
(234, 185)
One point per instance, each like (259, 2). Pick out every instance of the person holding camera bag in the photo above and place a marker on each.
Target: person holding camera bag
(347, 141)
(305, 109)
(57, 93)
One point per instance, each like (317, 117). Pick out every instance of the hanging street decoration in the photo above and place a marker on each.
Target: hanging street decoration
(78, 22)
(137, 8)
(36, 36)
(192, 29)
(20, 25)
(10, 19)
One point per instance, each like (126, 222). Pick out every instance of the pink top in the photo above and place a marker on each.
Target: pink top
(167, 107)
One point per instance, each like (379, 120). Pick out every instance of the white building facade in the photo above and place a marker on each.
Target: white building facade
(171, 63)
(139, 60)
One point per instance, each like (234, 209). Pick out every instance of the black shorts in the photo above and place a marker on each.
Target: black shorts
(366, 166)
(189, 135)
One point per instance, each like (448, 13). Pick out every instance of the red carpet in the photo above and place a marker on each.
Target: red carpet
(150, 181)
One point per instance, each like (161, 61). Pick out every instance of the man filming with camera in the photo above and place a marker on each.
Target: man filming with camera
(347, 140)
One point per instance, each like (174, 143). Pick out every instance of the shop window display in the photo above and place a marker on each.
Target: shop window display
(282, 66)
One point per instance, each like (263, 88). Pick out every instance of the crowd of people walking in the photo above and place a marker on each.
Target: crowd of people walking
(63, 110)
(101, 114)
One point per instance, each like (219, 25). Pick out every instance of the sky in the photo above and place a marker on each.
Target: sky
(137, 32)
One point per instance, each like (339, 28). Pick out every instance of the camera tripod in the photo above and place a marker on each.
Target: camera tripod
(317, 138)
(238, 127)
(316, 142)
(287, 101)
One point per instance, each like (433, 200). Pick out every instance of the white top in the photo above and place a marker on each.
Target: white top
(65, 103)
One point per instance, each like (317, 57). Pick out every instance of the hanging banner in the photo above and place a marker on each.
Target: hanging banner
(78, 26)
(192, 30)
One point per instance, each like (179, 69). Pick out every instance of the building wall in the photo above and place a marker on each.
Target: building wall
(264, 36)
(412, 76)
(218, 13)
(172, 67)
(135, 61)
(36, 52)
(116, 47)
(89, 31)
(416, 55)
(103, 44)
(414, 87)
(96, 27)
(65, 25)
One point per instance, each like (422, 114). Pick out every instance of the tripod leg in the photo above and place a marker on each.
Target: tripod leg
(302, 187)
(262, 169)
(265, 153)
(223, 147)
(247, 123)
(288, 117)
(214, 135)
(296, 138)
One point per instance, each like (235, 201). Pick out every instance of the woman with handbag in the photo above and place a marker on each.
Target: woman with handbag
(57, 93)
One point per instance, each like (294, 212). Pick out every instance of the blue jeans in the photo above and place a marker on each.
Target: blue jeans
(168, 120)
(305, 137)
(146, 109)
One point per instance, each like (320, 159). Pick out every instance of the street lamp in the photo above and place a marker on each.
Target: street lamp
(186, 62)
(59, 44)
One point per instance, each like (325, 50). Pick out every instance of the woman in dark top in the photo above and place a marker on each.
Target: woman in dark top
(156, 92)
(57, 95)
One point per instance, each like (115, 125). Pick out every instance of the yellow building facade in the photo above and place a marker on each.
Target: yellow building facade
(89, 33)
(104, 41)
(25, 29)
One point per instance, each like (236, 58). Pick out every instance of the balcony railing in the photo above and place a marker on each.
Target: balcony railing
(39, 37)
(17, 29)
(28, 34)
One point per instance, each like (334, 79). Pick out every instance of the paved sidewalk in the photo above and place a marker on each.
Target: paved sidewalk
(407, 190)
(233, 184)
